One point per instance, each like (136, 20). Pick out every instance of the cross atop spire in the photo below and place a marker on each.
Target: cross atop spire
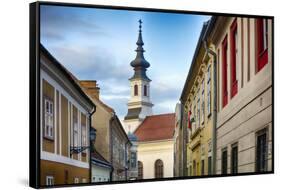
(140, 24)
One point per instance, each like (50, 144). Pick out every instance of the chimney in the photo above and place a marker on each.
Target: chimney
(91, 88)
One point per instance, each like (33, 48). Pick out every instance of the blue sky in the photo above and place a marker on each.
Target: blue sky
(99, 44)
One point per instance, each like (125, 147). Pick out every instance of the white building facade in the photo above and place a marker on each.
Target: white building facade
(244, 124)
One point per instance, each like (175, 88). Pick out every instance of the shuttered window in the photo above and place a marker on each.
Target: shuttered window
(261, 152)
(49, 119)
(234, 159)
(234, 57)
(224, 162)
(140, 170)
(224, 73)
(262, 42)
(158, 167)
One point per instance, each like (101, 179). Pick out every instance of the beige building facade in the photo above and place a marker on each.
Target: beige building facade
(244, 65)
(111, 141)
(64, 125)
(197, 100)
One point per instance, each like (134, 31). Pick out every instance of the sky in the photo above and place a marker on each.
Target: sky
(99, 44)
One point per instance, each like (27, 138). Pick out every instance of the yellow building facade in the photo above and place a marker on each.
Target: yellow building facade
(197, 103)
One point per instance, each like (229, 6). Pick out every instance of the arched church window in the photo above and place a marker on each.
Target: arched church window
(136, 90)
(145, 90)
(158, 168)
(140, 170)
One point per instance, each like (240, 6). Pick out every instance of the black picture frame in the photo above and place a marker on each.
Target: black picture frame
(34, 86)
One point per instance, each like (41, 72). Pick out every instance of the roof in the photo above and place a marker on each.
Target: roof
(156, 127)
(99, 159)
(133, 113)
(105, 106)
(66, 73)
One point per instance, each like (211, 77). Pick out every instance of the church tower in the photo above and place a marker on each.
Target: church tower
(139, 105)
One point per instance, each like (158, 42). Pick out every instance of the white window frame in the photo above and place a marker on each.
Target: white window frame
(83, 135)
(203, 102)
(236, 53)
(49, 119)
(198, 108)
(209, 91)
(265, 34)
(75, 133)
(49, 180)
(76, 180)
(194, 116)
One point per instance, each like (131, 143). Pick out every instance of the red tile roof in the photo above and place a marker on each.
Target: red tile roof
(156, 127)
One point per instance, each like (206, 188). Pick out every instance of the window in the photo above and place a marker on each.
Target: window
(66, 176)
(158, 167)
(84, 137)
(194, 167)
(234, 159)
(136, 90)
(202, 167)
(262, 43)
(133, 160)
(209, 165)
(224, 162)
(198, 108)
(76, 180)
(121, 152)
(261, 152)
(75, 132)
(203, 101)
(209, 91)
(195, 118)
(84, 180)
(145, 90)
(234, 57)
(49, 180)
(140, 170)
(49, 119)
(224, 72)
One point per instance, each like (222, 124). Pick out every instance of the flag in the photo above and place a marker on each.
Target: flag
(190, 119)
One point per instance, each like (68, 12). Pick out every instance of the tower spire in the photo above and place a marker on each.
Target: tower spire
(139, 105)
(139, 63)
(140, 42)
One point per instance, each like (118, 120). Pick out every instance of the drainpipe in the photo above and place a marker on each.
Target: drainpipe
(183, 159)
(214, 139)
(91, 143)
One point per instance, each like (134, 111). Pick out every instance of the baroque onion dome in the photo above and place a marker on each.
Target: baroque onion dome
(139, 63)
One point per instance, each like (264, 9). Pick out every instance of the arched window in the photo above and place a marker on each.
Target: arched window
(136, 90)
(158, 167)
(145, 90)
(140, 170)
